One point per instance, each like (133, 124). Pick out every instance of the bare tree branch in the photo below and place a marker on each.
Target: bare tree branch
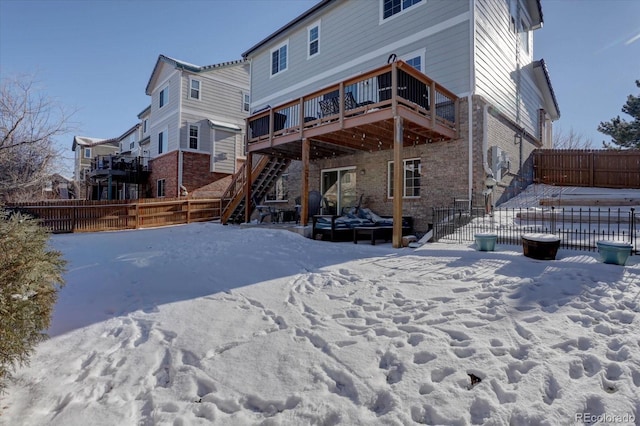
(29, 122)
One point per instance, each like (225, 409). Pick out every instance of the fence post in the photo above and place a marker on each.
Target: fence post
(632, 229)
(188, 211)
(137, 216)
(74, 213)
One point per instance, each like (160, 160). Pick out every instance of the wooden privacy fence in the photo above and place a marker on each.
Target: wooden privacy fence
(111, 215)
(601, 168)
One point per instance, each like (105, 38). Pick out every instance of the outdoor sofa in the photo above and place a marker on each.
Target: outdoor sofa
(341, 227)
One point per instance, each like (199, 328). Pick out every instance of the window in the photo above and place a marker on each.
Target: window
(524, 37)
(132, 144)
(246, 101)
(194, 89)
(84, 174)
(415, 62)
(194, 130)
(393, 7)
(411, 185)
(313, 34)
(162, 142)
(279, 191)
(279, 58)
(160, 186)
(144, 126)
(87, 153)
(164, 97)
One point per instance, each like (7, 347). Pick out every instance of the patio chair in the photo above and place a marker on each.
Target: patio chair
(263, 211)
(313, 208)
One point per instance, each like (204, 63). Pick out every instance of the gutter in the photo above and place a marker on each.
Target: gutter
(472, 83)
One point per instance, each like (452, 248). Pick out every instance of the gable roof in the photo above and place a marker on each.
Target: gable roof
(178, 64)
(88, 142)
(128, 132)
(534, 8)
(544, 83)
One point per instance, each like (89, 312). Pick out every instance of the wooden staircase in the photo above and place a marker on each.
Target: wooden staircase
(263, 177)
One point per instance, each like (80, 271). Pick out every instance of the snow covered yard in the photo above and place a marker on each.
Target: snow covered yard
(202, 324)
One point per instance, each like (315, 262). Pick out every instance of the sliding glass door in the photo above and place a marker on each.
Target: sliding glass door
(338, 189)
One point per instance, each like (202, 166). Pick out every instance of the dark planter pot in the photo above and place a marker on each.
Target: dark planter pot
(540, 246)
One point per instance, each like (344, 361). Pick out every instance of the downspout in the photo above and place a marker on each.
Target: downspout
(472, 82)
(180, 154)
(485, 141)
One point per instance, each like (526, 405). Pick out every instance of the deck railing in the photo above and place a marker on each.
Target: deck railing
(386, 87)
(112, 215)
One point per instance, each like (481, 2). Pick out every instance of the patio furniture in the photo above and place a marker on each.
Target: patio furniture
(341, 228)
(373, 232)
(263, 210)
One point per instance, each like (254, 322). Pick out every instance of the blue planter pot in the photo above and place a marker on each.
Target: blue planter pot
(614, 252)
(486, 242)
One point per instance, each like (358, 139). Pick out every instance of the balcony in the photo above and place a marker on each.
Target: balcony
(358, 114)
(120, 168)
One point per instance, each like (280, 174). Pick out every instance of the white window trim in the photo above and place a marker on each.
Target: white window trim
(244, 94)
(420, 52)
(278, 47)
(165, 140)
(402, 12)
(145, 126)
(199, 88)
(404, 189)
(166, 96)
(309, 28)
(85, 151)
(164, 188)
(196, 125)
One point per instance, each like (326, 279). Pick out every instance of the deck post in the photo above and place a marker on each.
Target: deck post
(304, 197)
(398, 181)
(247, 187)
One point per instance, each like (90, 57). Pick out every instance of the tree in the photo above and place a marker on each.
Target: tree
(29, 122)
(624, 134)
(570, 140)
(30, 276)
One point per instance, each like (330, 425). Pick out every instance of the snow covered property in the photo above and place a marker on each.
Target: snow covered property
(212, 324)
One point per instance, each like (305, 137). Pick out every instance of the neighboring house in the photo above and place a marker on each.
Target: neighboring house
(58, 187)
(460, 99)
(86, 150)
(193, 132)
(122, 175)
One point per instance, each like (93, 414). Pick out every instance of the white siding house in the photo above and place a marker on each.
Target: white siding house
(195, 124)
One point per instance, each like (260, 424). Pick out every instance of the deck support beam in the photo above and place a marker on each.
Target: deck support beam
(398, 181)
(247, 187)
(304, 199)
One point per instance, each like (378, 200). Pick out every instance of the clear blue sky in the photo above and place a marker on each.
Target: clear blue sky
(97, 56)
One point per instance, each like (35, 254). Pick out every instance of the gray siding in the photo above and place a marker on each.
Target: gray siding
(353, 40)
(224, 148)
(497, 60)
(221, 93)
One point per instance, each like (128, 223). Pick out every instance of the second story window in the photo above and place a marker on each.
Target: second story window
(524, 37)
(162, 142)
(164, 97)
(393, 7)
(144, 126)
(194, 130)
(87, 153)
(246, 101)
(313, 33)
(415, 62)
(279, 59)
(194, 89)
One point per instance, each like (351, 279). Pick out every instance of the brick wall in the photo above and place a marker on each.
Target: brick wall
(445, 167)
(164, 167)
(196, 171)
